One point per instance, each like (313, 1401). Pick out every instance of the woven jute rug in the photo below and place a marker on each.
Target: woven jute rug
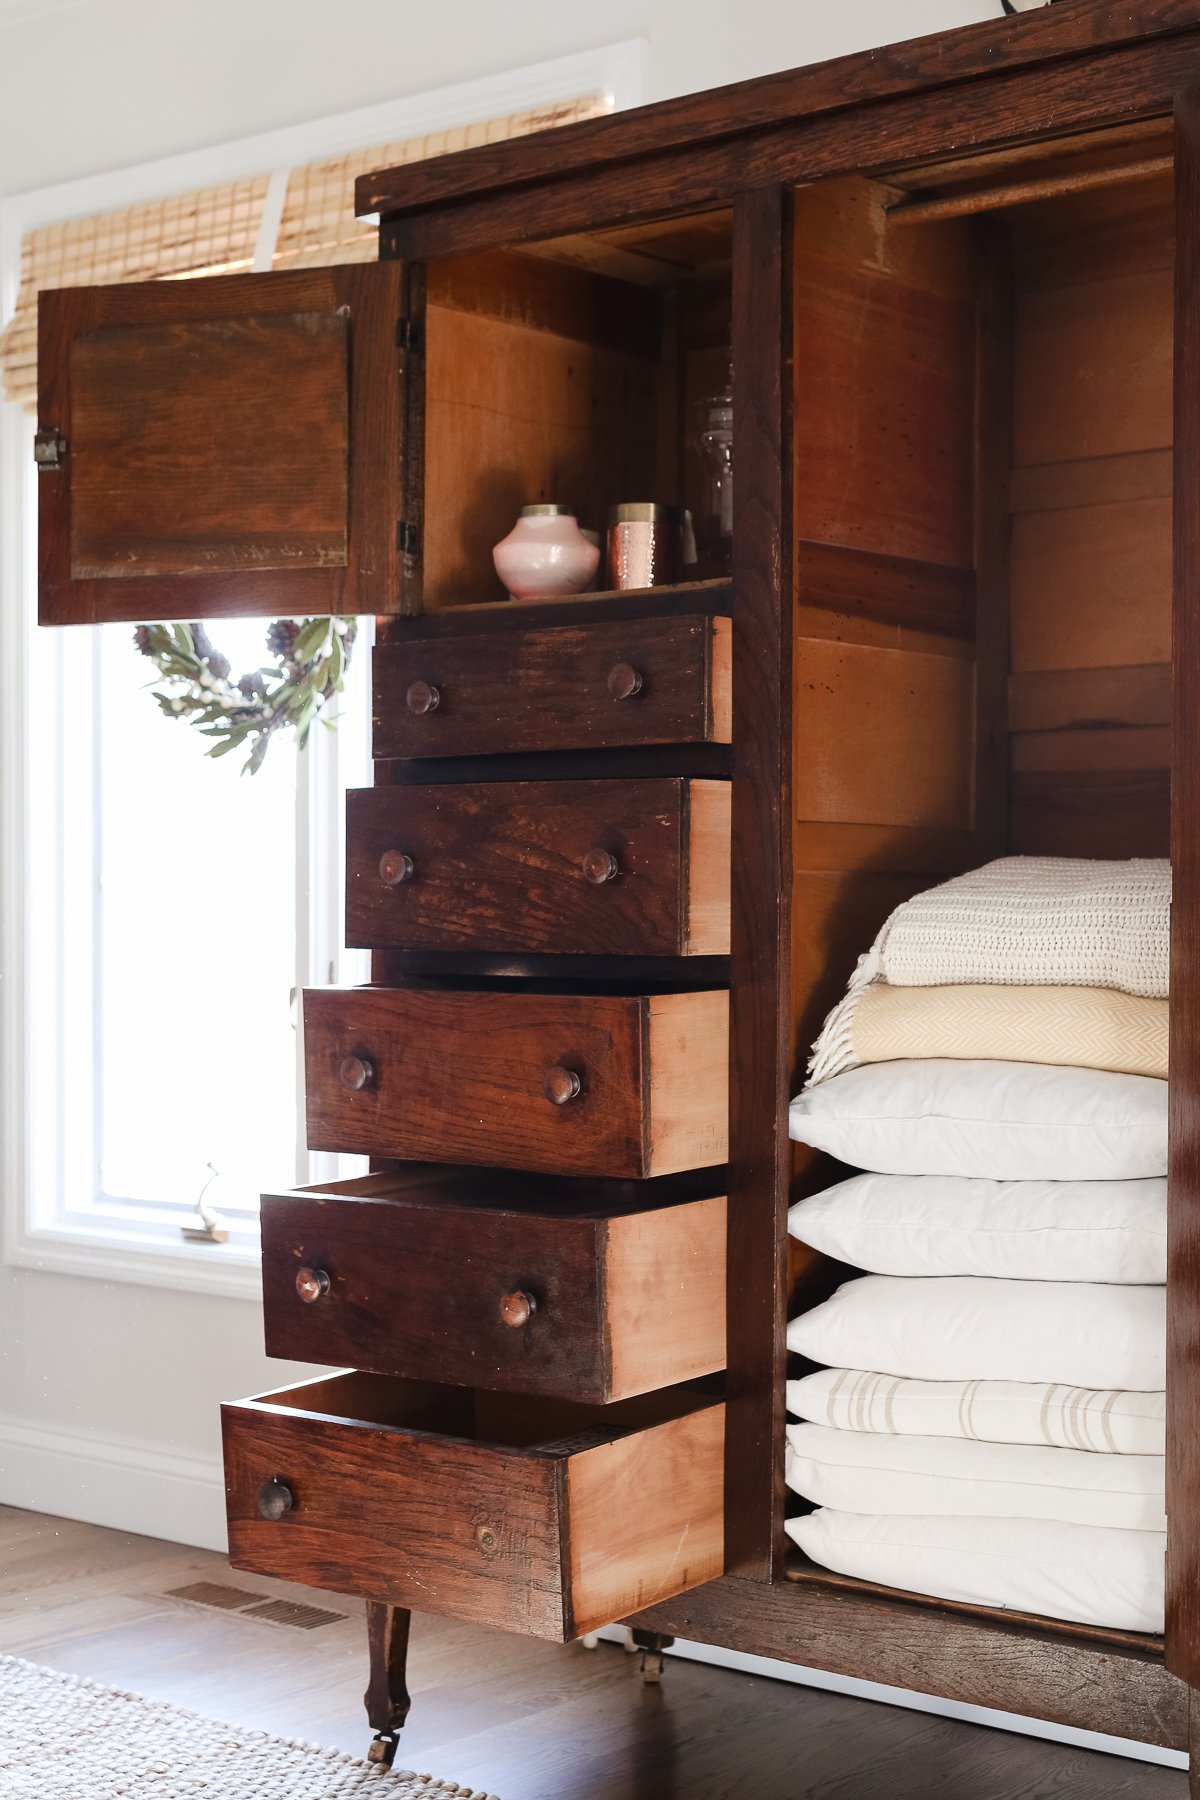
(62, 1735)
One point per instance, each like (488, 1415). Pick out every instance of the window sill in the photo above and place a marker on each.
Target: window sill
(228, 1271)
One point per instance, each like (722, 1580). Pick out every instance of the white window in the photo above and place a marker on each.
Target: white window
(160, 911)
(178, 907)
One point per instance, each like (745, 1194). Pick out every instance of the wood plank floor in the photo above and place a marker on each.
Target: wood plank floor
(523, 1720)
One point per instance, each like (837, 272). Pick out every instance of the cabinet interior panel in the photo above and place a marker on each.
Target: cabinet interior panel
(563, 378)
(883, 737)
(1091, 574)
(887, 324)
(1091, 586)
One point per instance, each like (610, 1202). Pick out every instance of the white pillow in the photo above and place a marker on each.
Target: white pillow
(1085, 1573)
(862, 1471)
(998, 1412)
(969, 1328)
(1000, 1121)
(1023, 1230)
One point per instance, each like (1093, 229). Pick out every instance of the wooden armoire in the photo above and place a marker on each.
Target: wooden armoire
(623, 849)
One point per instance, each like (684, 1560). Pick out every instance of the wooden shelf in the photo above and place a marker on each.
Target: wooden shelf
(799, 1569)
(1076, 1675)
(624, 603)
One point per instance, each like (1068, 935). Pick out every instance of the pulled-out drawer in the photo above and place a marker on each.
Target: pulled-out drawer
(616, 1085)
(594, 1292)
(634, 867)
(566, 686)
(537, 1516)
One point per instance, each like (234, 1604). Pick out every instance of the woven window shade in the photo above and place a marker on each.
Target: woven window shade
(319, 226)
(215, 231)
(211, 232)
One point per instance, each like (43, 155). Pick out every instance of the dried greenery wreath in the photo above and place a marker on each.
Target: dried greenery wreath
(311, 657)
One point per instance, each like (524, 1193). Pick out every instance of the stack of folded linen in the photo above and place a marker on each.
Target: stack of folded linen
(989, 1423)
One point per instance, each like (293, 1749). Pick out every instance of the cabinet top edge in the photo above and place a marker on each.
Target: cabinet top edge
(744, 109)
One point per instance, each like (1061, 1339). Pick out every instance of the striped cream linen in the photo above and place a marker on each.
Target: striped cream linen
(862, 1471)
(1086, 1027)
(1102, 1420)
(1024, 921)
(1088, 1573)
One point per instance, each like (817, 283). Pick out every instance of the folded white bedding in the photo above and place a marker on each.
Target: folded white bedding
(1031, 920)
(1087, 1573)
(998, 1412)
(1001, 1121)
(1022, 1230)
(973, 1328)
(865, 1471)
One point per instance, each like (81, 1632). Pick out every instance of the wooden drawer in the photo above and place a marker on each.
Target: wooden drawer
(615, 1085)
(554, 687)
(536, 1516)
(500, 1281)
(615, 868)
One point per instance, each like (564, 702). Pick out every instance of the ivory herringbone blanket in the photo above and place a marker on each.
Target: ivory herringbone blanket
(1082, 1027)
(1024, 921)
(1119, 1422)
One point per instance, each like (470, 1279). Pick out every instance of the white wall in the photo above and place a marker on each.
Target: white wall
(109, 1392)
(104, 83)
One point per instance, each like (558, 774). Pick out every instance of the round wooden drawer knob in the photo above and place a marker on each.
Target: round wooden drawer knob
(600, 866)
(356, 1073)
(394, 867)
(422, 697)
(624, 681)
(312, 1285)
(275, 1498)
(517, 1309)
(560, 1085)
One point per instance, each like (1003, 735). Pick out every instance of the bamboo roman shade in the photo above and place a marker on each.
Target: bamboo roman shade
(211, 232)
(215, 231)
(319, 226)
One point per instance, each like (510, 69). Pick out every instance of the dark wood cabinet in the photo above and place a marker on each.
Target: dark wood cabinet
(957, 281)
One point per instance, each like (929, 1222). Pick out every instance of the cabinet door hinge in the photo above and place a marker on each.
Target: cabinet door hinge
(49, 448)
(408, 538)
(408, 334)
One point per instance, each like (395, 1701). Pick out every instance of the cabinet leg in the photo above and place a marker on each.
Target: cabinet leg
(387, 1698)
(651, 1645)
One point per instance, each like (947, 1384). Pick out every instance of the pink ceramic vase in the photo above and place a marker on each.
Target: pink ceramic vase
(545, 554)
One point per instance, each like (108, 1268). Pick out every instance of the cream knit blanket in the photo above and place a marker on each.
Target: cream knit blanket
(1024, 921)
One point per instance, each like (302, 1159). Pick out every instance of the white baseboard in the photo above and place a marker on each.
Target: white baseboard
(128, 1485)
(926, 1703)
(139, 1487)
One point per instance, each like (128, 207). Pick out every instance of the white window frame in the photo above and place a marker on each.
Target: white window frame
(147, 1252)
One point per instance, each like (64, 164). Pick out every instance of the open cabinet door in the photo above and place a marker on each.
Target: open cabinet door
(1183, 1237)
(234, 445)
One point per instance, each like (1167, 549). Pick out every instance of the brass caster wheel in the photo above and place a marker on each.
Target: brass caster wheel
(652, 1667)
(383, 1748)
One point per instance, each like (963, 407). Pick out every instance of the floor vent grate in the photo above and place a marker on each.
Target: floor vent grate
(213, 1593)
(293, 1613)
